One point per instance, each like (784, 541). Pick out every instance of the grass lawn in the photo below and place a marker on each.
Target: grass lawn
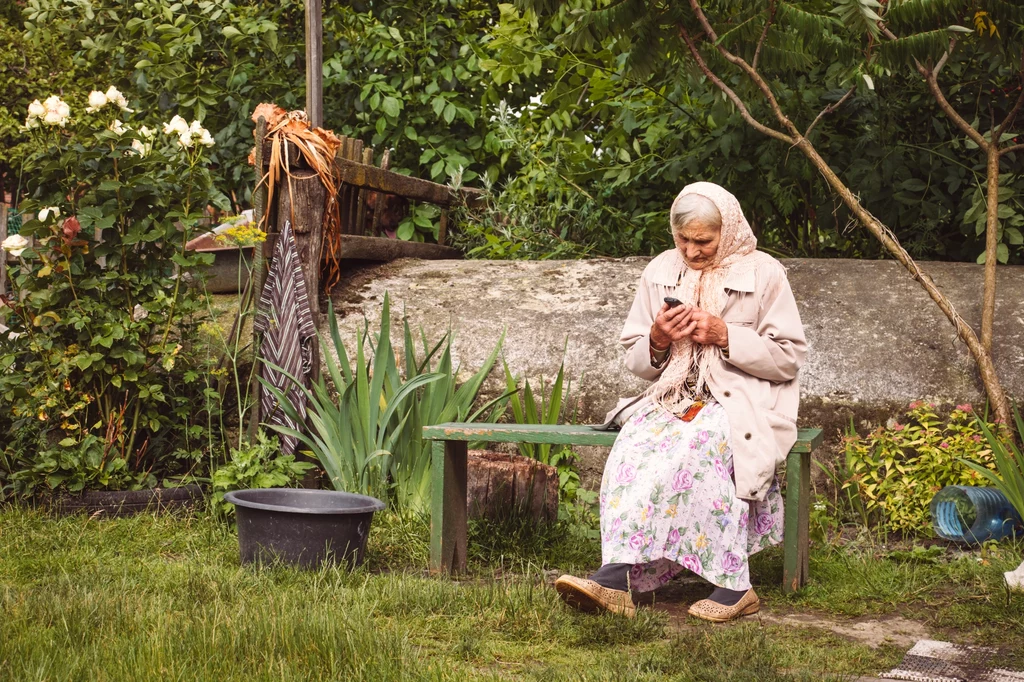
(164, 598)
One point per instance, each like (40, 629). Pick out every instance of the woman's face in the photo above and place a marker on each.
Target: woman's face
(698, 243)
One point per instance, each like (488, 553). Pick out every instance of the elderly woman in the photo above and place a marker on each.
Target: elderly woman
(690, 484)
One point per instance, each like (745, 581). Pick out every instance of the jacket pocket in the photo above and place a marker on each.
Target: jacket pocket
(783, 431)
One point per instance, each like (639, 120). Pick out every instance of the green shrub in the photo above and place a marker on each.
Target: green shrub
(255, 465)
(99, 373)
(893, 473)
(366, 425)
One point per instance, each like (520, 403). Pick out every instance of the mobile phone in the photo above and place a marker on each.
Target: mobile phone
(672, 301)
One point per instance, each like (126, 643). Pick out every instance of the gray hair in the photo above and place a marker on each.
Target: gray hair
(690, 208)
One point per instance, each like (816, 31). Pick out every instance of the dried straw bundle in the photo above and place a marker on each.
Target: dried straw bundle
(318, 148)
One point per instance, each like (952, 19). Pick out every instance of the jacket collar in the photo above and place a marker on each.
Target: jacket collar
(669, 267)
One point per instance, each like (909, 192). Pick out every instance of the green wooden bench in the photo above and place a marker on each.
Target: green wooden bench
(449, 508)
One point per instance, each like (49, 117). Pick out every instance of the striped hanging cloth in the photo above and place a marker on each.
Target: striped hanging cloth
(285, 320)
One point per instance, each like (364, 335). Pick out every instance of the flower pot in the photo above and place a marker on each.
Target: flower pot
(127, 502)
(301, 527)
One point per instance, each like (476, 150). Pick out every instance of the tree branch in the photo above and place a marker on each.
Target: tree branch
(733, 97)
(1010, 117)
(764, 34)
(740, 62)
(1010, 150)
(931, 77)
(829, 109)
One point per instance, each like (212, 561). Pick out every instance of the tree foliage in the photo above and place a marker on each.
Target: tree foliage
(605, 118)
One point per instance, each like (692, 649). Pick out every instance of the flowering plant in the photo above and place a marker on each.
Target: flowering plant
(97, 372)
(893, 472)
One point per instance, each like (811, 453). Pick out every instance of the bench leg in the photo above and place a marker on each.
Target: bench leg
(797, 537)
(448, 507)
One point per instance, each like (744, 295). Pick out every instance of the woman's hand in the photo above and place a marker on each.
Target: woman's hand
(680, 322)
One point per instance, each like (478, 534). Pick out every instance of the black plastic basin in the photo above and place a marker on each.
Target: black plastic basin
(303, 527)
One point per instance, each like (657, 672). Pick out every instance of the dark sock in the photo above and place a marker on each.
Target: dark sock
(726, 597)
(613, 576)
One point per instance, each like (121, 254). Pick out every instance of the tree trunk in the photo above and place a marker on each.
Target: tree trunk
(982, 355)
(500, 484)
(988, 309)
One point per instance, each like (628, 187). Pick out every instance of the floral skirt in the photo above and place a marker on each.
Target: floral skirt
(668, 502)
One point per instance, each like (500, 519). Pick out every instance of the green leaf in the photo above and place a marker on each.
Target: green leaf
(230, 32)
(391, 106)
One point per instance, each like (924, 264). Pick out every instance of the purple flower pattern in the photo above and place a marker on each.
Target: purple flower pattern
(669, 504)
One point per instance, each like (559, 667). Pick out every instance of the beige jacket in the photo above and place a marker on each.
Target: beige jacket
(757, 383)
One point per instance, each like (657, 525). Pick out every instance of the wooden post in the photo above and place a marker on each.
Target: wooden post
(260, 258)
(302, 200)
(385, 164)
(449, 512)
(796, 564)
(315, 63)
(442, 228)
(360, 227)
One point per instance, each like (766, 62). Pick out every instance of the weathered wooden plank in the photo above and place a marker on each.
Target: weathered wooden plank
(559, 434)
(449, 517)
(386, 250)
(370, 177)
(315, 62)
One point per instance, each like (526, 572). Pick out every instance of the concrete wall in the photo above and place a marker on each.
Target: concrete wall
(876, 340)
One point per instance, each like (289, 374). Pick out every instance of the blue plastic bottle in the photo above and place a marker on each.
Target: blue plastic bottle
(972, 515)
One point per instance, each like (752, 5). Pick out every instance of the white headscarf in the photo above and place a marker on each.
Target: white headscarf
(705, 289)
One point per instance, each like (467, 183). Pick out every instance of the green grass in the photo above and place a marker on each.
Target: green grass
(163, 597)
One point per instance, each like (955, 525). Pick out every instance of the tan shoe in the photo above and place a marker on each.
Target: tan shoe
(719, 613)
(586, 595)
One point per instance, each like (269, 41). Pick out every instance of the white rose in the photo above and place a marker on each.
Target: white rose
(206, 139)
(36, 109)
(97, 100)
(48, 211)
(185, 139)
(139, 313)
(14, 245)
(113, 94)
(147, 133)
(140, 148)
(117, 127)
(196, 128)
(57, 111)
(177, 126)
(31, 122)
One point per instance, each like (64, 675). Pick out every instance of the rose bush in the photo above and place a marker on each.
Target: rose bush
(98, 375)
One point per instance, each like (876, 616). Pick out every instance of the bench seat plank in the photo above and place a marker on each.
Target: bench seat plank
(560, 434)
